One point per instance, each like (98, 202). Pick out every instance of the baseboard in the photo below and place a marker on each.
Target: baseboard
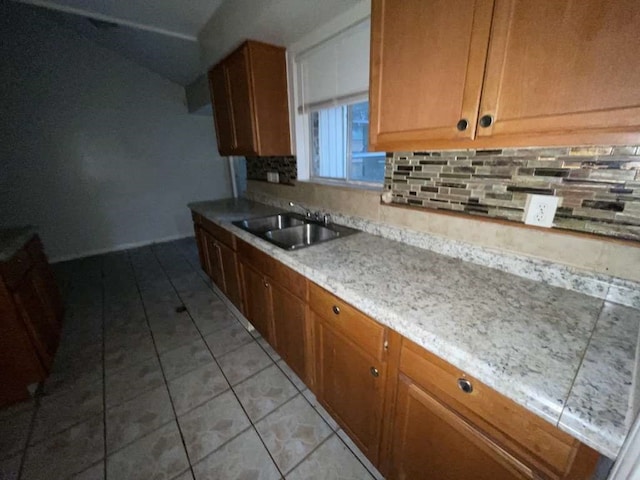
(118, 248)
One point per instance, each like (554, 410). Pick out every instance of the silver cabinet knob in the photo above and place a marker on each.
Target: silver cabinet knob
(336, 309)
(374, 371)
(465, 385)
(266, 284)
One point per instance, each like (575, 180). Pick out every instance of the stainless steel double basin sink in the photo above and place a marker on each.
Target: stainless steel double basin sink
(291, 231)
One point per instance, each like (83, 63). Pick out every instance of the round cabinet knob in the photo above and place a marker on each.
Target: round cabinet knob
(486, 121)
(375, 372)
(266, 284)
(462, 125)
(336, 309)
(465, 385)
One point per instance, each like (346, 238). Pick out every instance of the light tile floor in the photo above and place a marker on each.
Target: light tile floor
(144, 389)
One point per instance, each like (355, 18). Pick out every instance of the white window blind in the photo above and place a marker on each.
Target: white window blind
(336, 71)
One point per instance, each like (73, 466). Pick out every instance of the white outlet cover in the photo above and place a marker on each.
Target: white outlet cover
(540, 210)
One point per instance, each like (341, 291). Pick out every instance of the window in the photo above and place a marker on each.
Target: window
(339, 137)
(333, 114)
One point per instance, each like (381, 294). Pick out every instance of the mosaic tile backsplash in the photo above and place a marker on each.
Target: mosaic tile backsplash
(599, 187)
(257, 168)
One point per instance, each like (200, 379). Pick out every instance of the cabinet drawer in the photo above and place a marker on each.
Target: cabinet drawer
(291, 280)
(366, 333)
(13, 270)
(535, 439)
(219, 233)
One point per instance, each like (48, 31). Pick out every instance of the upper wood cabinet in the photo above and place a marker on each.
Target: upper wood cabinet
(250, 101)
(491, 74)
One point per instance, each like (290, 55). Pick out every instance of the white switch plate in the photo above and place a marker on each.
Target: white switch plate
(540, 210)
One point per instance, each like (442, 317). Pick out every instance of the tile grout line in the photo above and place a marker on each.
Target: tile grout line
(166, 384)
(252, 425)
(300, 392)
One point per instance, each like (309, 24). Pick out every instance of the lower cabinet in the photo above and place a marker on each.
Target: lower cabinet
(275, 304)
(410, 412)
(451, 425)
(350, 368)
(31, 313)
(429, 437)
(216, 251)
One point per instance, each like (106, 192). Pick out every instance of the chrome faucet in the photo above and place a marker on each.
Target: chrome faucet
(307, 213)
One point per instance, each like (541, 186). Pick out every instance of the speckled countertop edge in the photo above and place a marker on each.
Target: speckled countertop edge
(565, 408)
(13, 239)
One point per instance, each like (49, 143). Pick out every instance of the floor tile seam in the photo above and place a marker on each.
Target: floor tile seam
(318, 412)
(285, 374)
(311, 452)
(202, 403)
(354, 453)
(258, 420)
(235, 349)
(187, 372)
(224, 444)
(138, 438)
(279, 408)
(173, 407)
(235, 395)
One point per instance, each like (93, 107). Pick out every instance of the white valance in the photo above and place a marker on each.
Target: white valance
(336, 71)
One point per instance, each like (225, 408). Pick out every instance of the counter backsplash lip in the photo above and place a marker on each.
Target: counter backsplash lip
(501, 351)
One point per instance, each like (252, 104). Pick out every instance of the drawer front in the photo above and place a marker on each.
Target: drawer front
(279, 273)
(219, 233)
(13, 270)
(547, 447)
(366, 333)
(260, 261)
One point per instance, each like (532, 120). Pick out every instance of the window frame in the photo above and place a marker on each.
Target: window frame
(348, 154)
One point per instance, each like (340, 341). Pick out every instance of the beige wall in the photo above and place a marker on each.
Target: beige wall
(588, 253)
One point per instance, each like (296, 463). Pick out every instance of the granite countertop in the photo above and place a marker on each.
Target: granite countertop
(13, 239)
(566, 356)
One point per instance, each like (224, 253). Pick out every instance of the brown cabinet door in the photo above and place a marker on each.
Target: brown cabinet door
(350, 385)
(563, 73)
(231, 275)
(257, 301)
(214, 261)
(427, 64)
(202, 247)
(34, 312)
(289, 327)
(219, 88)
(430, 440)
(242, 108)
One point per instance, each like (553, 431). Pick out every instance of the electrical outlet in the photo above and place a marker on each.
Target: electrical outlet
(540, 210)
(273, 177)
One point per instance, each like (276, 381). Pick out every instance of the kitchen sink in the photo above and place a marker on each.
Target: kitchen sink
(301, 236)
(273, 222)
(292, 231)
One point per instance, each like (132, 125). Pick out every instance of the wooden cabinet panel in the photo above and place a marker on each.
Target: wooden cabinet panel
(563, 69)
(431, 438)
(427, 64)
(355, 325)
(290, 326)
(269, 81)
(520, 73)
(231, 275)
(242, 109)
(249, 89)
(37, 319)
(214, 261)
(202, 247)
(218, 86)
(257, 301)
(350, 385)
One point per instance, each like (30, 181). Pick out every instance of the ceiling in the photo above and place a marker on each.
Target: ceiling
(180, 39)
